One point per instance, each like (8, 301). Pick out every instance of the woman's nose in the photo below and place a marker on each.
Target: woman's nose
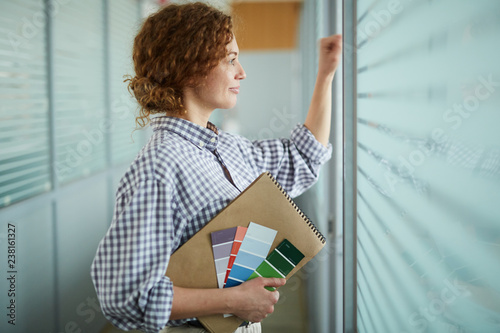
(241, 73)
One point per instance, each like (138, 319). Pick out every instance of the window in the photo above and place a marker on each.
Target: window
(24, 114)
(63, 106)
(424, 99)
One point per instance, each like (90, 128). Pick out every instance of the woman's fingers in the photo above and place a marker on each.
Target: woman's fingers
(255, 302)
(330, 51)
(273, 282)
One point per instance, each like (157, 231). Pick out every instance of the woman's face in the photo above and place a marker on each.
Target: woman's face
(219, 89)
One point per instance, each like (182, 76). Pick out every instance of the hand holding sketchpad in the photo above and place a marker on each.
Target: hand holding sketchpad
(253, 251)
(279, 263)
(263, 202)
(222, 243)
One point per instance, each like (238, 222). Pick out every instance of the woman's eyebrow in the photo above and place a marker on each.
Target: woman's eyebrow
(232, 52)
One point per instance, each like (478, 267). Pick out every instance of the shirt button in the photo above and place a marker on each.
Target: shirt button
(212, 140)
(201, 144)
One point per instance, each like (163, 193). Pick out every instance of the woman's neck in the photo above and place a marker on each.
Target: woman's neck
(195, 117)
(196, 111)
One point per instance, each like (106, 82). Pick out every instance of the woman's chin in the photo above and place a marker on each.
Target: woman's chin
(228, 105)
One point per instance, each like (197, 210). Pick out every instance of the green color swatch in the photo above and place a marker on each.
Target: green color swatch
(281, 261)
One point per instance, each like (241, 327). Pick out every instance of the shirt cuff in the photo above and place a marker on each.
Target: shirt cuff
(159, 306)
(307, 144)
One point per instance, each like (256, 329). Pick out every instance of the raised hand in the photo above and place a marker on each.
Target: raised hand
(330, 51)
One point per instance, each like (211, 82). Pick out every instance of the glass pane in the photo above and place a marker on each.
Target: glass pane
(428, 166)
(124, 24)
(79, 74)
(24, 125)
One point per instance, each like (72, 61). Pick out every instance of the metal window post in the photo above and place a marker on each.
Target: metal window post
(349, 163)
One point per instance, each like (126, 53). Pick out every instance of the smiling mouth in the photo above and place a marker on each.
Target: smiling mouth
(235, 90)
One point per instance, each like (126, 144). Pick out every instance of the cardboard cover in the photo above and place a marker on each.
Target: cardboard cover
(263, 202)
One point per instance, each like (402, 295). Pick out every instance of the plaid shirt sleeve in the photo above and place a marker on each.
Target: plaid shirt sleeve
(128, 270)
(294, 162)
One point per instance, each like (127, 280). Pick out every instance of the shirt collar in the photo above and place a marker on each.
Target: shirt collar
(201, 137)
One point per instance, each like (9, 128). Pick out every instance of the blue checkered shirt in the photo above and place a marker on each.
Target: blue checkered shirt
(172, 189)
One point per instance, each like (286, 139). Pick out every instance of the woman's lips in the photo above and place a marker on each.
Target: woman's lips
(235, 90)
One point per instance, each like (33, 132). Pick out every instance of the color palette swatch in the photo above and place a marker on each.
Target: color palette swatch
(253, 251)
(222, 243)
(238, 239)
(279, 263)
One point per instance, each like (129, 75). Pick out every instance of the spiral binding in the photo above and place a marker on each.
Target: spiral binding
(294, 205)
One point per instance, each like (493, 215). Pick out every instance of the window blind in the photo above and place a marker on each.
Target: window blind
(82, 126)
(428, 166)
(24, 136)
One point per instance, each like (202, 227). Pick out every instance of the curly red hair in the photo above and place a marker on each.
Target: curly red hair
(176, 46)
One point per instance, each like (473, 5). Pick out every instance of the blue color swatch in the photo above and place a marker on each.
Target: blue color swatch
(253, 251)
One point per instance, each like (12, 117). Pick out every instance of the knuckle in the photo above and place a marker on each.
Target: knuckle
(258, 281)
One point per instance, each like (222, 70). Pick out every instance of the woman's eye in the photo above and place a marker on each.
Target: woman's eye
(232, 61)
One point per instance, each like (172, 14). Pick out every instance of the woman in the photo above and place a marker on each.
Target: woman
(186, 65)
